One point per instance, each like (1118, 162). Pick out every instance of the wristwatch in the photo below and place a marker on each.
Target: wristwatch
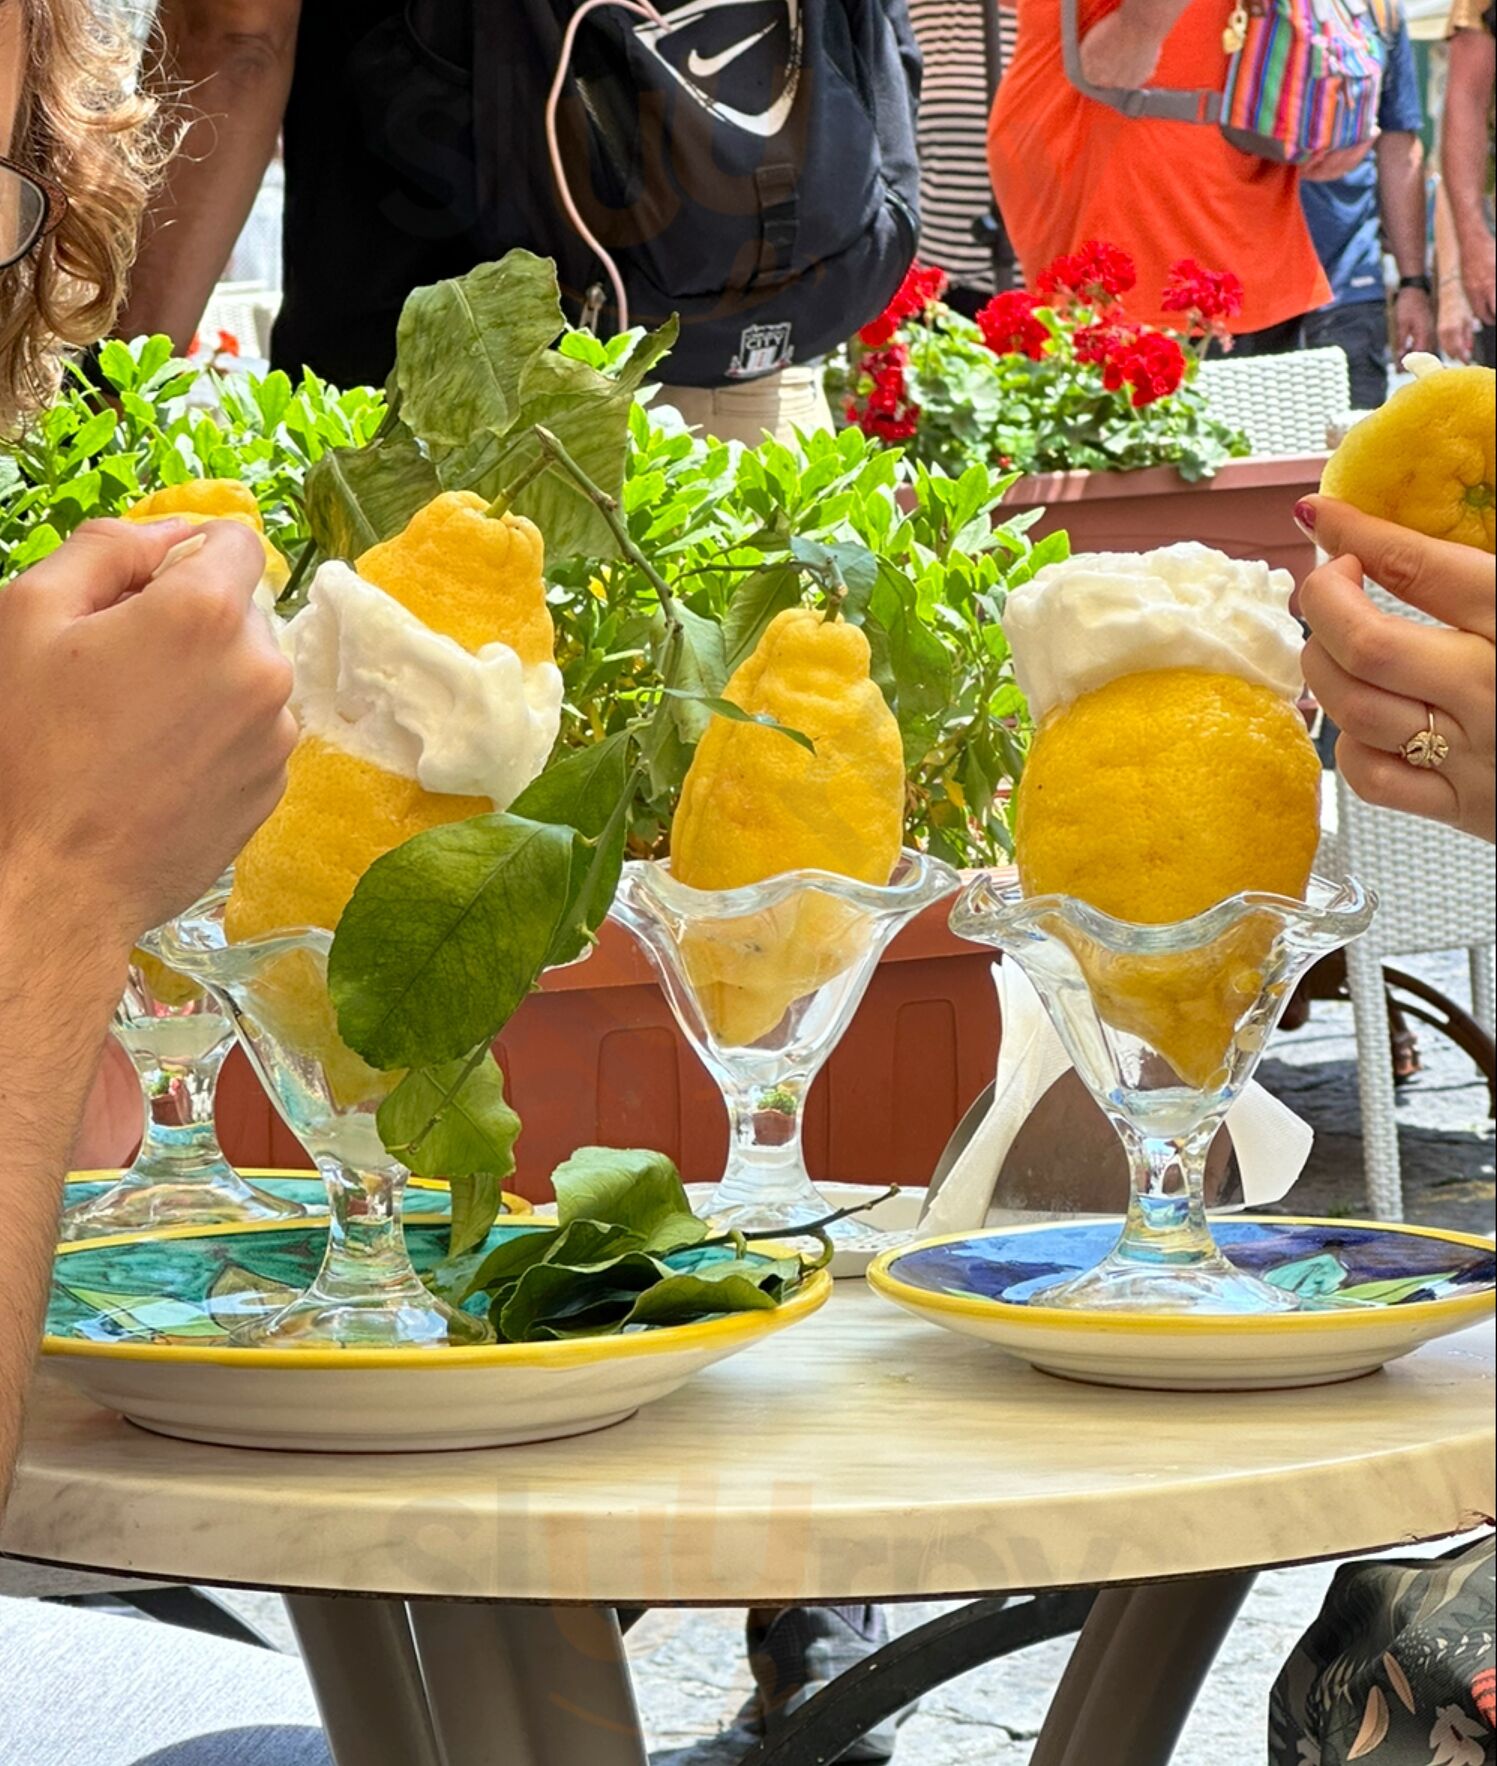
(1422, 283)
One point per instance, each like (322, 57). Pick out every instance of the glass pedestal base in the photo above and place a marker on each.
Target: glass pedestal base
(408, 1317)
(1128, 1285)
(787, 1217)
(143, 1201)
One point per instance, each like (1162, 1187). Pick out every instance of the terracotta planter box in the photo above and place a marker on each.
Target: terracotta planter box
(1246, 511)
(595, 1058)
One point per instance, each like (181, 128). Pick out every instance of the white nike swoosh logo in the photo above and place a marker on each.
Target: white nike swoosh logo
(703, 67)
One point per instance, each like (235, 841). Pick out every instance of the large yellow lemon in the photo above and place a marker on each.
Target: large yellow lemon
(1425, 460)
(1155, 798)
(1161, 794)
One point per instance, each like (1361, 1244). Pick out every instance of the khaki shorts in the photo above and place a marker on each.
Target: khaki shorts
(778, 405)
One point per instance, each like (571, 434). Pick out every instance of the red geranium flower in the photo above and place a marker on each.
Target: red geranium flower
(886, 411)
(1010, 328)
(1100, 273)
(877, 332)
(1098, 344)
(1209, 296)
(228, 344)
(1153, 364)
(922, 287)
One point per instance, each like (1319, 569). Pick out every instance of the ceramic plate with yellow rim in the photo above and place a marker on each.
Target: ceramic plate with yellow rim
(140, 1324)
(423, 1195)
(1367, 1294)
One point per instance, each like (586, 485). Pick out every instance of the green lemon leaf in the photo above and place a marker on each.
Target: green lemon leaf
(911, 664)
(551, 1294)
(446, 935)
(588, 413)
(591, 791)
(756, 602)
(581, 789)
(463, 347)
(735, 714)
(356, 497)
(707, 1293)
(503, 1266)
(476, 1202)
(452, 1122)
(632, 1188)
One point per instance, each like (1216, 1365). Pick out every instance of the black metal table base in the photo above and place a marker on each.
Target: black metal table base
(914, 1665)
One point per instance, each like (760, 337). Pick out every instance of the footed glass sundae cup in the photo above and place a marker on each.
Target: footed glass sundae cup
(274, 990)
(764, 980)
(1165, 1025)
(176, 1036)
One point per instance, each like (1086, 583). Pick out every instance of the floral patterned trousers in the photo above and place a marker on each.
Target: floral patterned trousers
(1397, 1670)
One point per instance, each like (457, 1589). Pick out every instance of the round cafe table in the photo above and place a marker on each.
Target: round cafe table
(864, 1456)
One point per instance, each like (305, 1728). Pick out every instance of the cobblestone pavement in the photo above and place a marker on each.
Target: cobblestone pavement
(689, 1666)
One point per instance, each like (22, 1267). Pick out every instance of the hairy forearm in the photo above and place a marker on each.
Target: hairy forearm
(232, 62)
(1400, 178)
(59, 983)
(1464, 151)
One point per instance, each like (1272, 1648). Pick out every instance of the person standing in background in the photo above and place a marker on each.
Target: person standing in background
(1381, 198)
(1067, 169)
(952, 134)
(1466, 161)
(439, 162)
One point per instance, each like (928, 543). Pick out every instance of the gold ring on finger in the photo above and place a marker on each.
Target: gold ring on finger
(1428, 750)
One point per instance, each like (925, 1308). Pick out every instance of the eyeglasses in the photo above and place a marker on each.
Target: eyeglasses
(30, 207)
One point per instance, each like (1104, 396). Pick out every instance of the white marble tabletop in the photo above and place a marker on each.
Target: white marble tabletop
(863, 1456)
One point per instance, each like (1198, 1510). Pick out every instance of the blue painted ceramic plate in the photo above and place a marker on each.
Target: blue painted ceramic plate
(1368, 1293)
(141, 1325)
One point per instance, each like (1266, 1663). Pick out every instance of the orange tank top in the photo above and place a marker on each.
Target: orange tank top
(1067, 169)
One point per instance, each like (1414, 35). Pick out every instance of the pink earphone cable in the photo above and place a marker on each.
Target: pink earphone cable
(642, 9)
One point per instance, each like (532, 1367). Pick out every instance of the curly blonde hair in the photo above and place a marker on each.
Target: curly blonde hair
(87, 124)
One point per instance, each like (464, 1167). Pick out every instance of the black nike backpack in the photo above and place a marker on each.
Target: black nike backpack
(750, 166)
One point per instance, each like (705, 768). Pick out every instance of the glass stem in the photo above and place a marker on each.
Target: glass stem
(180, 1142)
(1167, 1221)
(366, 1260)
(766, 1165)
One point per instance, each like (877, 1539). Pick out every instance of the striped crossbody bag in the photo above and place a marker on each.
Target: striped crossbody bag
(1299, 77)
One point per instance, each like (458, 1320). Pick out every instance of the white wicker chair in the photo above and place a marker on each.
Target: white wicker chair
(1438, 891)
(1284, 404)
(247, 309)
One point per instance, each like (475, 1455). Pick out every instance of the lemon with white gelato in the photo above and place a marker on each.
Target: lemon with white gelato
(424, 698)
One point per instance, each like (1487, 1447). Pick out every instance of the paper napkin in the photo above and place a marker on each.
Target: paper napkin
(1044, 1149)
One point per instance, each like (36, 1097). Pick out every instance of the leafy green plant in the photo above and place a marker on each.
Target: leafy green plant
(740, 535)
(91, 455)
(627, 1253)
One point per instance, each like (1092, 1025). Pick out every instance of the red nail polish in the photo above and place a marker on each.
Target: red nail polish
(1304, 514)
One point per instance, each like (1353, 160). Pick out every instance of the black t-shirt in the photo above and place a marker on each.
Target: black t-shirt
(378, 184)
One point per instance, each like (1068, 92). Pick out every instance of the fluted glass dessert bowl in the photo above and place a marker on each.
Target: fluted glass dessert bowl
(1165, 1025)
(763, 981)
(177, 1037)
(274, 991)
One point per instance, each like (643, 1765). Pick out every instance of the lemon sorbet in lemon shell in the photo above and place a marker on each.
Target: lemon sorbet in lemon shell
(1170, 770)
(756, 804)
(199, 500)
(426, 691)
(1425, 460)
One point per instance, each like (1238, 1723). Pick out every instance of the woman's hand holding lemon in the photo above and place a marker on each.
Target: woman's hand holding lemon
(1380, 677)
